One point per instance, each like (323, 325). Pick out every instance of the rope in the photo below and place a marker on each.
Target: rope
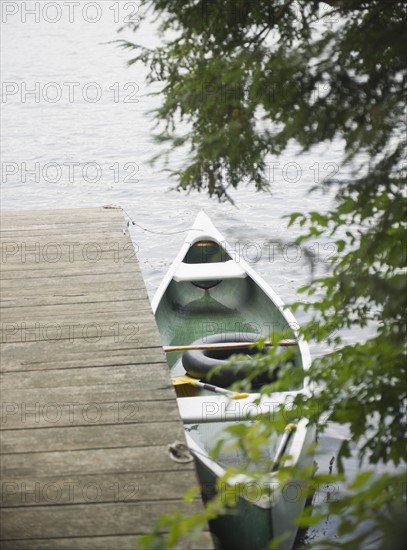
(145, 228)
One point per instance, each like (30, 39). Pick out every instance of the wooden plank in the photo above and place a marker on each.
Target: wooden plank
(152, 388)
(22, 415)
(108, 355)
(64, 215)
(133, 374)
(94, 309)
(92, 461)
(92, 292)
(81, 489)
(16, 231)
(50, 249)
(76, 297)
(74, 438)
(35, 269)
(42, 253)
(97, 280)
(105, 408)
(87, 284)
(133, 327)
(109, 542)
(63, 233)
(122, 518)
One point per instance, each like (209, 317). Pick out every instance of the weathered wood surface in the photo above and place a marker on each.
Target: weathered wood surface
(88, 409)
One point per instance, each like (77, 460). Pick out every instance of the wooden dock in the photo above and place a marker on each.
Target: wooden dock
(88, 410)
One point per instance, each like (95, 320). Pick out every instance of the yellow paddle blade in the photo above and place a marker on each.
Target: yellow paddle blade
(185, 379)
(178, 380)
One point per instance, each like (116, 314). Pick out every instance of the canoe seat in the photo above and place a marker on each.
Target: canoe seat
(209, 272)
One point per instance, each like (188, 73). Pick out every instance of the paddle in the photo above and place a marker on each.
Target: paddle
(226, 345)
(178, 380)
(288, 431)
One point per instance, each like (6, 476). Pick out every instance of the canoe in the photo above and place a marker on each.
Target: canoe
(210, 305)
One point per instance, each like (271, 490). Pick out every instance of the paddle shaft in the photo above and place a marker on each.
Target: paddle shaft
(217, 389)
(288, 433)
(226, 346)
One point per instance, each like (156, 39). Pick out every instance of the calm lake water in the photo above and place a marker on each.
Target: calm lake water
(77, 133)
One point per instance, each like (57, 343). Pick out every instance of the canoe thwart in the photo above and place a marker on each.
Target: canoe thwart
(209, 272)
(226, 346)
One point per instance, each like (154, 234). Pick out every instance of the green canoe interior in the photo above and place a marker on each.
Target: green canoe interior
(190, 310)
